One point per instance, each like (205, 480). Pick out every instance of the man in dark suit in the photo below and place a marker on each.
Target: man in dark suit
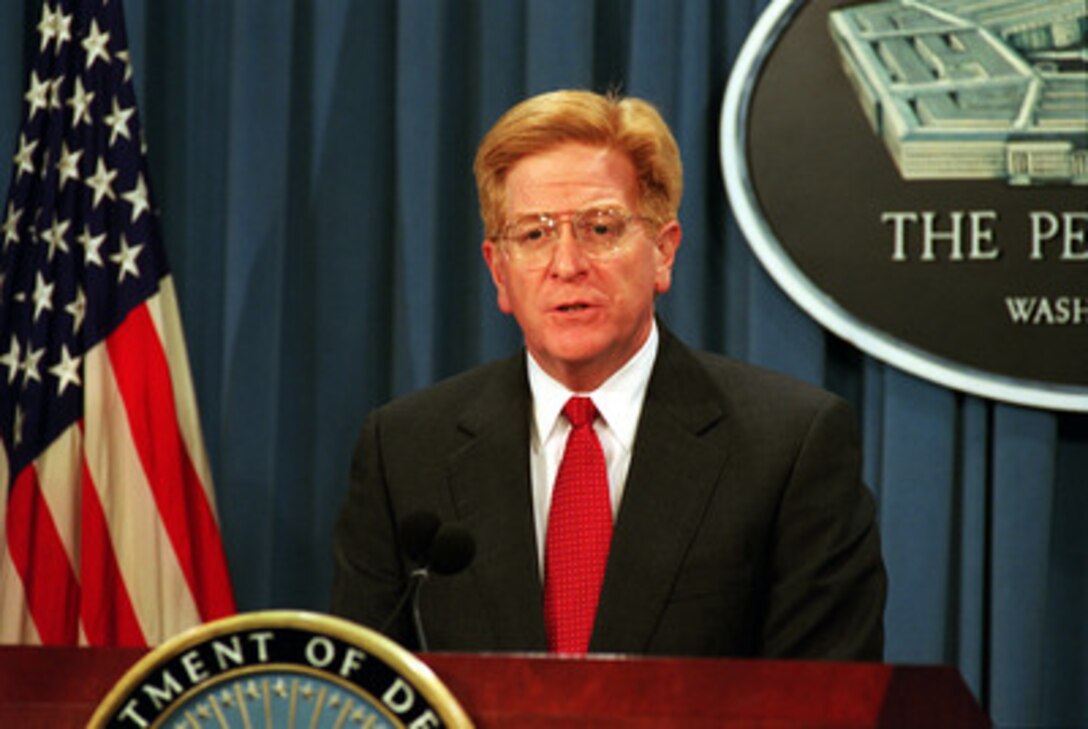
(700, 506)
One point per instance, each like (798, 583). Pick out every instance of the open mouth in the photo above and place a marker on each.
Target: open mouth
(566, 308)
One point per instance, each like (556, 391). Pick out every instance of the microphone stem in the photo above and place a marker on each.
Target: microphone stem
(418, 577)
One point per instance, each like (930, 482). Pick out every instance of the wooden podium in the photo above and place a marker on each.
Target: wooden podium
(60, 687)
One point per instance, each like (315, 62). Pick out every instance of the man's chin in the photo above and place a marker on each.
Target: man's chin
(580, 365)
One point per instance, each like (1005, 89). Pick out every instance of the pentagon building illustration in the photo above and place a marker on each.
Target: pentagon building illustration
(973, 89)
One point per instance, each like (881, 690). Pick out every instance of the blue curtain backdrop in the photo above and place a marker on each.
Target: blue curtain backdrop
(312, 165)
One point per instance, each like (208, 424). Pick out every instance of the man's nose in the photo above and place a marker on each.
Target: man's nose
(568, 257)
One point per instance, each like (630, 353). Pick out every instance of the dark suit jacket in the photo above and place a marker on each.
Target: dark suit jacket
(744, 529)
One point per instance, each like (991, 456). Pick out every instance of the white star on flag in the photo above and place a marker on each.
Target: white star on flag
(66, 370)
(36, 95)
(117, 120)
(95, 45)
(102, 182)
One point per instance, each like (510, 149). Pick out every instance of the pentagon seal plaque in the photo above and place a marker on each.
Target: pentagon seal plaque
(914, 175)
(279, 669)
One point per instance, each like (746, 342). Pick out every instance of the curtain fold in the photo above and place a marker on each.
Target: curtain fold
(916, 513)
(312, 166)
(1023, 479)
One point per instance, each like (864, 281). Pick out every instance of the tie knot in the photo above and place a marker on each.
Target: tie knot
(580, 411)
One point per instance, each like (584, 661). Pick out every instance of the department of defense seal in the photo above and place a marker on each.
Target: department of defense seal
(278, 669)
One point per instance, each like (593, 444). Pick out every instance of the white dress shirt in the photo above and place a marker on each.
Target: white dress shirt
(619, 404)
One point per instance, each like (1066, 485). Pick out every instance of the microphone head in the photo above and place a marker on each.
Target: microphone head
(417, 535)
(452, 551)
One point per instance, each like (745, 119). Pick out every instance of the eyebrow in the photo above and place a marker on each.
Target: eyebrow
(602, 206)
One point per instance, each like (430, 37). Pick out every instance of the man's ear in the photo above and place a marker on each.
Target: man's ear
(665, 245)
(496, 263)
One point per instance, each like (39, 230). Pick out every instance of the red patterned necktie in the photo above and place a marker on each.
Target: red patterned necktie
(579, 533)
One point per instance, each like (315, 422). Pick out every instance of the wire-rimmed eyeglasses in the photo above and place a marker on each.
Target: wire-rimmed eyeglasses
(599, 231)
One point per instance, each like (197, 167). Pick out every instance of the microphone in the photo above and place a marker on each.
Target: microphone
(452, 550)
(443, 549)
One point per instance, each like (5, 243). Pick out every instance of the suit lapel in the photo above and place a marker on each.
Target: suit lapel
(672, 475)
(489, 481)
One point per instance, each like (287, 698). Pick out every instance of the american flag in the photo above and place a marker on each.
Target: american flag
(108, 528)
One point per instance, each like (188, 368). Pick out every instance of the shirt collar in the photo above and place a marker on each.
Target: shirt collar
(618, 399)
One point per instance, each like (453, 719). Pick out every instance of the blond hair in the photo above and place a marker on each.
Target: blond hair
(629, 125)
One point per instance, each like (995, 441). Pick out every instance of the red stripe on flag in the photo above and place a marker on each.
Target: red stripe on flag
(106, 608)
(143, 377)
(51, 588)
